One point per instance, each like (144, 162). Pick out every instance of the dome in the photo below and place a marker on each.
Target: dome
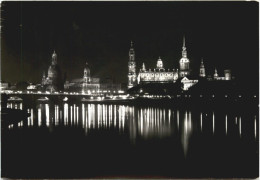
(53, 71)
(159, 63)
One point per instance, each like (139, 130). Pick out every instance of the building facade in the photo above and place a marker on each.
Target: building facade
(86, 84)
(161, 75)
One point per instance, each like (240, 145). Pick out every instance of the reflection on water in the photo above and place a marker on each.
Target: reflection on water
(146, 123)
(134, 138)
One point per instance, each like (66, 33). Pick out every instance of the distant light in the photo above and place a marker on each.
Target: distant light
(239, 96)
(226, 96)
(213, 95)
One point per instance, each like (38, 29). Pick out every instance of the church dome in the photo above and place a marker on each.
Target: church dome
(53, 71)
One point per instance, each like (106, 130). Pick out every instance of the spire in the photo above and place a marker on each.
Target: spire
(184, 52)
(201, 64)
(216, 73)
(202, 69)
(143, 67)
(54, 58)
(183, 46)
(131, 52)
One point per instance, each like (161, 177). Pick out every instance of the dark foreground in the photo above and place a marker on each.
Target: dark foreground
(67, 140)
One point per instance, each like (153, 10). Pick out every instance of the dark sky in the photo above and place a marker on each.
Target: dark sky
(225, 34)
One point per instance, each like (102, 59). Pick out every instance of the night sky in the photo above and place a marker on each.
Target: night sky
(225, 34)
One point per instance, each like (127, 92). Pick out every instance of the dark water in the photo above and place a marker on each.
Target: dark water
(63, 140)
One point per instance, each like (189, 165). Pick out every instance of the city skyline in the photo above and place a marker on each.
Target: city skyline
(104, 42)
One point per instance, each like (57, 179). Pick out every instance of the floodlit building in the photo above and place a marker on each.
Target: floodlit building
(86, 84)
(162, 75)
(54, 80)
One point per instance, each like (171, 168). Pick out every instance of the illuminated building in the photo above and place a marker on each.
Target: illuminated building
(226, 77)
(87, 84)
(131, 68)
(187, 83)
(202, 69)
(161, 75)
(184, 62)
(157, 75)
(54, 81)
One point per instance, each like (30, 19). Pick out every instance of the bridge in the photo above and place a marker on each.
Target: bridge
(32, 96)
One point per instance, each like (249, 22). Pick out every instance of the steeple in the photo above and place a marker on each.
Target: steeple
(184, 52)
(54, 58)
(143, 68)
(131, 52)
(131, 67)
(216, 73)
(202, 69)
(159, 63)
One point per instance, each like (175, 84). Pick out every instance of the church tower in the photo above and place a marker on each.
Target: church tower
(202, 69)
(131, 68)
(54, 58)
(86, 76)
(43, 79)
(184, 62)
(216, 74)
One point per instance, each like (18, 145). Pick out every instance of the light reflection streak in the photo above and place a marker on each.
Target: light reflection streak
(186, 133)
(47, 111)
(39, 116)
(71, 114)
(240, 131)
(201, 121)
(213, 122)
(178, 119)
(77, 122)
(226, 125)
(255, 127)
(83, 115)
(66, 113)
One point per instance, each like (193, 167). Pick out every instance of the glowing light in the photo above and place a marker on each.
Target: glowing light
(255, 127)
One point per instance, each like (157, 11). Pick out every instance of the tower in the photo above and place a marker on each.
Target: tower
(43, 79)
(216, 74)
(143, 68)
(202, 69)
(54, 58)
(86, 76)
(131, 68)
(184, 62)
(159, 64)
